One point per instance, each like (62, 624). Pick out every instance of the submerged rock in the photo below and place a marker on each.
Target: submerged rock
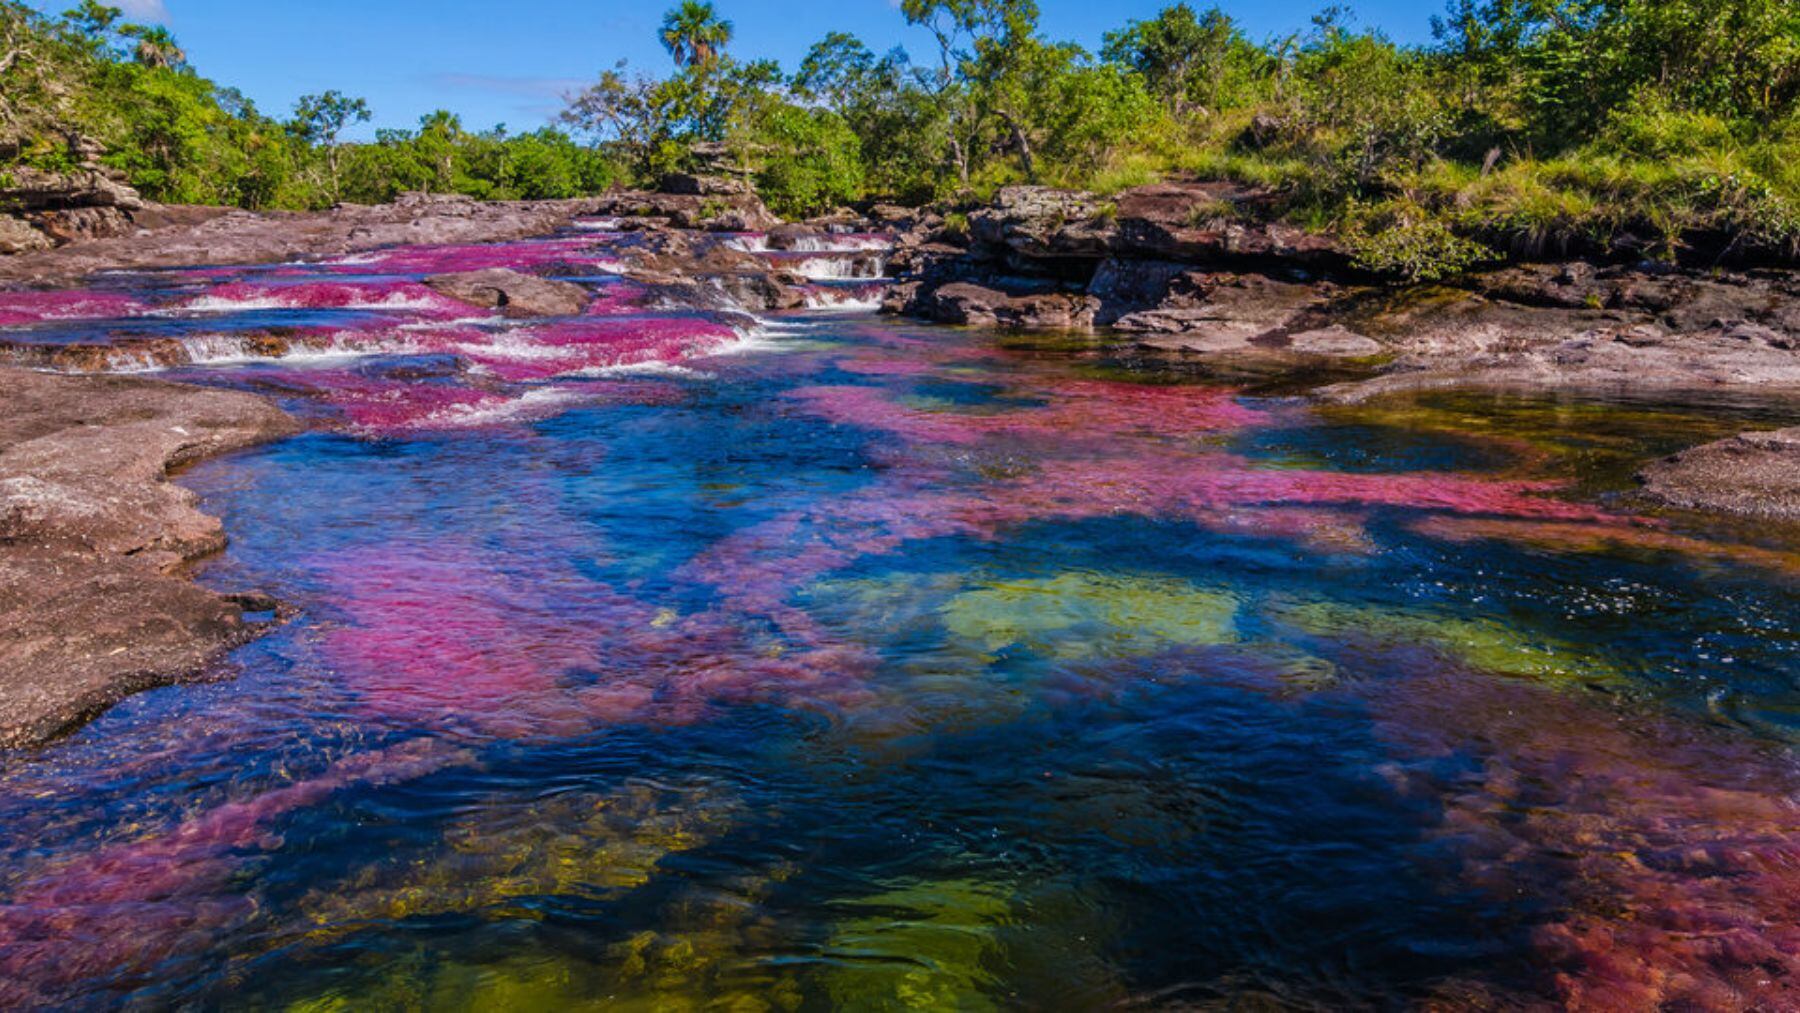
(92, 607)
(512, 293)
(1755, 474)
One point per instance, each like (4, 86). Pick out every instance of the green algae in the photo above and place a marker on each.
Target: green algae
(1079, 615)
(1480, 644)
(1595, 442)
(923, 945)
(594, 846)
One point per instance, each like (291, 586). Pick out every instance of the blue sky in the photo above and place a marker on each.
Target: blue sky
(509, 62)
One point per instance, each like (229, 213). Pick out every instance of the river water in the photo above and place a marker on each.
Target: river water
(660, 659)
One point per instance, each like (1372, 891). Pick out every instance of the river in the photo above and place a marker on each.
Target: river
(666, 659)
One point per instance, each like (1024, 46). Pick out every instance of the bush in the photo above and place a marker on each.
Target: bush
(1401, 239)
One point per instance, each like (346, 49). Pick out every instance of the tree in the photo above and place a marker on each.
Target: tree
(319, 119)
(694, 34)
(155, 48)
(948, 22)
(837, 71)
(635, 115)
(93, 19)
(1187, 60)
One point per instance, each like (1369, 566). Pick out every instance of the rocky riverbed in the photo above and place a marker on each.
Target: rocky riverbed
(95, 541)
(96, 544)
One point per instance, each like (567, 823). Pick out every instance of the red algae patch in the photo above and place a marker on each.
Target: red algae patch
(1077, 410)
(1669, 855)
(124, 910)
(29, 307)
(595, 345)
(391, 296)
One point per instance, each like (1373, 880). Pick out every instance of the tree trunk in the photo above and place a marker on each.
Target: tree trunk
(1023, 146)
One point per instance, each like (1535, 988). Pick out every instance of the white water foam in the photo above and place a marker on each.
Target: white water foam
(838, 268)
(840, 244)
(526, 405)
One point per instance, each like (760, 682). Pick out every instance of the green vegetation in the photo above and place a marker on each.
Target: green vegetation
(1480, 644)
(1636, 127)
(89, 76)
(1076, 615)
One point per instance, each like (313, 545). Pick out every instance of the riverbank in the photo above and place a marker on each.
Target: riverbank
(95, 542)
(1194, 274)
(152, 236)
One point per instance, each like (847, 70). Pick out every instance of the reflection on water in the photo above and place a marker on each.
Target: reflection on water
(885, 666)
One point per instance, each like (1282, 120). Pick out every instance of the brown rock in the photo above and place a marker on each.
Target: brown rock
(965, 303)
(92, 537)
(704, 186)
(512, 293)
(177, 237)
(26, 189)
(18, 236)
(1753, 474)
(1334, 342)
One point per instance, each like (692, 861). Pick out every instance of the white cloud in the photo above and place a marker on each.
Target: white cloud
(144, 10)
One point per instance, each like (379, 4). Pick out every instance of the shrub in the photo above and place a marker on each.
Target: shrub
(1401, 239)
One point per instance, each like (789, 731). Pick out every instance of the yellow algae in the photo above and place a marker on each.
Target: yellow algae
(1080, 615)
(578, 844)
(705, 955)
(1482, 644)
(920, 946)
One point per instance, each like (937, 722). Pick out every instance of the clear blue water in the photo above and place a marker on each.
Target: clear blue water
(885, 666)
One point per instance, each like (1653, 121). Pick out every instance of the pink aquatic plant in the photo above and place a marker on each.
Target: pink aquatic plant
(1671, 850)
(454, 641)
(617, 298)
(126, 908)
(592, 344)
(1077, 410)
(31, 307)
(389, 295)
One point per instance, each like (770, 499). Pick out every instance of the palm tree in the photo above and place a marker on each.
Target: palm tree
(694, 34)
(157, 48)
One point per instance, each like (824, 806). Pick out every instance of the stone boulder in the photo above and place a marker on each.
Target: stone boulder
(24, 189)
(1220, 224)
(689, 184)
(62, 207)
(1043, 223)
(1752, 474)
(512, 293)
(18, 236)
(1336, 342)
(966, 303)
(739, 212)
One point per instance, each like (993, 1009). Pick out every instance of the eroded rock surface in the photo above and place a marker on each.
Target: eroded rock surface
(1197, 270)
(1753, 474)
(184, 237)
(512, 293)
(93, 539)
